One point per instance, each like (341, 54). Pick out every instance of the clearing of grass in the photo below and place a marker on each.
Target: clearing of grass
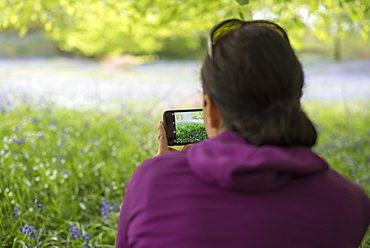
(65, 170)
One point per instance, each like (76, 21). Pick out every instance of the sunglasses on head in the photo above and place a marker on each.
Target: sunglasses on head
(225, 27)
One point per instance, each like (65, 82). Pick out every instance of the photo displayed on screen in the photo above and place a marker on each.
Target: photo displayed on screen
(189, 127)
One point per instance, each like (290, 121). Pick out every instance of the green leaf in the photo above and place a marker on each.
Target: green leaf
(241, 15)
(243, 2)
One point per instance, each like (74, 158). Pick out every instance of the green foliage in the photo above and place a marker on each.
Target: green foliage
(102, 28)
(96, 28)
(243, 2)
(188, 132)
(197, 115)
(69, 160)
(33, 44)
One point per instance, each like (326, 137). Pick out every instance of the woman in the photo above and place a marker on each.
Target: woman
(255, 182)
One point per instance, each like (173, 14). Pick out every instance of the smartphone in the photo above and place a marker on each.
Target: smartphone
(184, 126)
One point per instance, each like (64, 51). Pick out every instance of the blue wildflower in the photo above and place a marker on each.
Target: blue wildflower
(106, 208)
(3, 110)
(39, 205)
(15, 211)
(66, 174)
(86, 236)
(20, 141)
(74, 232)
(30, 230)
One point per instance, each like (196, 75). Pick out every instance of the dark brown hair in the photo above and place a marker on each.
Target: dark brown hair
(255, 80)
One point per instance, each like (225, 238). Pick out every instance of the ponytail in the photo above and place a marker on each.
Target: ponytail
(281, 124)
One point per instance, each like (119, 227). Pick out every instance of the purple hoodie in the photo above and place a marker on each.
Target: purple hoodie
(223, 192)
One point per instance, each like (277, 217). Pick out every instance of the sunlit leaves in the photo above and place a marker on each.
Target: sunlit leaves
(100, 28)
(95, 28)
(243, 2)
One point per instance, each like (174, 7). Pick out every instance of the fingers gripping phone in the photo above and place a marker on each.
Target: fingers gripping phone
(184, 126)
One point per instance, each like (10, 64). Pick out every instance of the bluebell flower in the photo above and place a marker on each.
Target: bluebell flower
(15, 211)
(106, 208)
(66, 174)
(3, 110)
(20, 141)
(86, 236)
(30, 230)
(74, 232)
(39, 205)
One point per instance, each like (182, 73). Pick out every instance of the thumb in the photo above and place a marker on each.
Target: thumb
(162, 139)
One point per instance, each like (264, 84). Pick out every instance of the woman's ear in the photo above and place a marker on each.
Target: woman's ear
(211, 112)
(213, 122)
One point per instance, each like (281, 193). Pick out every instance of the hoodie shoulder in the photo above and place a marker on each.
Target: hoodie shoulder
(227, 161)
(158, 168)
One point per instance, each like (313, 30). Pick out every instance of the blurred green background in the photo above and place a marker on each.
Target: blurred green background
(174, 28)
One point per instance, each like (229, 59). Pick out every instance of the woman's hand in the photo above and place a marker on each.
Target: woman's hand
(162, 141)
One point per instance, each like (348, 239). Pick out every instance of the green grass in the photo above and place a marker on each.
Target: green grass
(188, 132)
(70, 160)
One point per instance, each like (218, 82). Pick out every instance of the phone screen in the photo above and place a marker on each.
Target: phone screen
(184, 126)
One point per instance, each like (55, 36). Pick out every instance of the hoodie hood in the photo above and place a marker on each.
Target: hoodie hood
(227, 161)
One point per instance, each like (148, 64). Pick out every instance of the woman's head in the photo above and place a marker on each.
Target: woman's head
(255, 80)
